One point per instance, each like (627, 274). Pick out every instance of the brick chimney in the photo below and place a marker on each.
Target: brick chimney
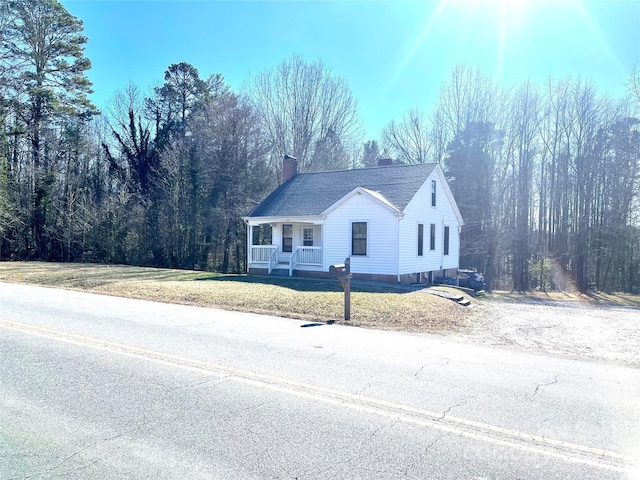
(385, 162)
(289, 168)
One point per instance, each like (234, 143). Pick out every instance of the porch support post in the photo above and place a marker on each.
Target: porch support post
(249, 244)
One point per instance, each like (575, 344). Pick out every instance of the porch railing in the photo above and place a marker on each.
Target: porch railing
(268, 254)
(273, 260)
(262, 253)
(305, 256)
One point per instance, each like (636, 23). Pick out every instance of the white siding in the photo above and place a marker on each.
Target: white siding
(276, 235)
(382, 231)
(298, 237)
(419, 210)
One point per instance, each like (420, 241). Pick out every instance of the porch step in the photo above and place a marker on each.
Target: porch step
(443, 294)
(459, 299)
(280, 272)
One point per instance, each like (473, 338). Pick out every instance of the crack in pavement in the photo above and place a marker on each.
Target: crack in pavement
(364, 389)
(196, 384)
(448, 410)
(375, 432)
(140, 424)
(357, 451)
(555, 380)
(255, 407)
(258, 440)
(549, 419)
(68, 458)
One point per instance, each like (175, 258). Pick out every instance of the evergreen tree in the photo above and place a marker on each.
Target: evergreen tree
(44, 46)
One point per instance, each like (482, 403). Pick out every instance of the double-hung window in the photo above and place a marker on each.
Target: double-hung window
(446, 241)
(261, 235)
(359, 238)
(307, 237)
(432, 237)
(420, 238)
(287, 238)
(433, 193)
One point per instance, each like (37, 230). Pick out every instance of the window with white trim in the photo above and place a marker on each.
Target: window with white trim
(433, 193)
(287, 238)
(432, 237)
(446, 241)
(307, 237)
(358, 238)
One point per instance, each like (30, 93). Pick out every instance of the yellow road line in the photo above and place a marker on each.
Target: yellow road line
(405, 413)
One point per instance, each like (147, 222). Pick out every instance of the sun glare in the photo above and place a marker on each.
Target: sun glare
(409, 56)
(511, 40)
(423, 34)
(512, 17)
(508, 15)
(520, 23)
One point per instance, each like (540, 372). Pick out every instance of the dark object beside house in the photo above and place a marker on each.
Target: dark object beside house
(471, 279)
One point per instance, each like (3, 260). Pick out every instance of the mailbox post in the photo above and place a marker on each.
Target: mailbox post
(342, 272)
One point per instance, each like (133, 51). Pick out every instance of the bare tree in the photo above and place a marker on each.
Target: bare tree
(468, 97)
(468, 137)
(300, 105)
(523, 151)
(408, 140)
(633, 83)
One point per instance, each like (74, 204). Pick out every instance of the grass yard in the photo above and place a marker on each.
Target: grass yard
(595, 298)
(372, 305)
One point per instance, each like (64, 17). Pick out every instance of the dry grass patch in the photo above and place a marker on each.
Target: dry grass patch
(595, 298)
(375, 306)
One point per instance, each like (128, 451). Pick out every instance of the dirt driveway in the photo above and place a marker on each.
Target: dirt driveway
(567, 328)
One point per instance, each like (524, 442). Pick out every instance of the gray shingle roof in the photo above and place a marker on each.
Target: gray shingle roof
(310, 194)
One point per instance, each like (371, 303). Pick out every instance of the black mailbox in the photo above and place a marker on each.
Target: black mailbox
(339, 270)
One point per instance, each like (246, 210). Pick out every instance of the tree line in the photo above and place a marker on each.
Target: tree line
(546, 176)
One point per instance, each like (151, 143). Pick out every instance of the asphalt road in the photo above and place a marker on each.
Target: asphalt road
(100, 387)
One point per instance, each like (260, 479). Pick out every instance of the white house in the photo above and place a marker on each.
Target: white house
(397, 223)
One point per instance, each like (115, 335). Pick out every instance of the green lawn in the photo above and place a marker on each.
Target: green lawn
(372, 305)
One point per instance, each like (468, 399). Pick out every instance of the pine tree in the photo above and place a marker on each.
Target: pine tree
(43, 54)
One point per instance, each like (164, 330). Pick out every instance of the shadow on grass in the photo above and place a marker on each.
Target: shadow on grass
(568, 299)
(306, 284)
(615, 299)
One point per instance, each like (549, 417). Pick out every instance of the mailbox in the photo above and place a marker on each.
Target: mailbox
(339, 270)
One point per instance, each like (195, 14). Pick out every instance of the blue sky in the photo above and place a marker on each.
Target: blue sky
(395, 55)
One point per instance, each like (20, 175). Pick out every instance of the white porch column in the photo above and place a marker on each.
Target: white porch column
(249, 242)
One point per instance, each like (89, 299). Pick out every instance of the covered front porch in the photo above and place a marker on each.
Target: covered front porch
(283, 248)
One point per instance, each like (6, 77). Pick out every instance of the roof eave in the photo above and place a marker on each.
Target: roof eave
(314, 219)
(450, 197)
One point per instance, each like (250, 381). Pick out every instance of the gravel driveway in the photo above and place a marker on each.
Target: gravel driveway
(568, 328)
